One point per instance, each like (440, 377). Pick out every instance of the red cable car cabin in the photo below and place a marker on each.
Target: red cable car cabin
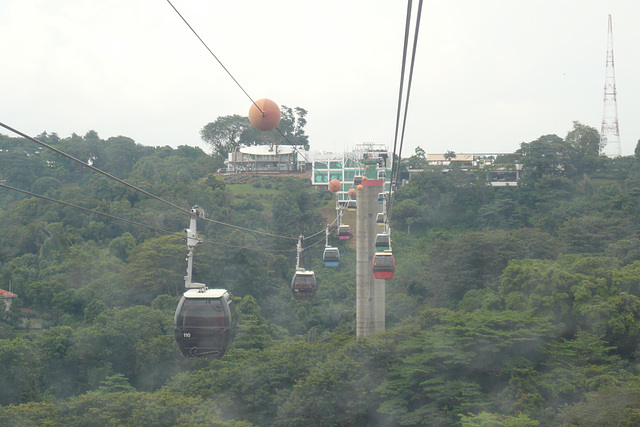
(344, 232)
(383, 265)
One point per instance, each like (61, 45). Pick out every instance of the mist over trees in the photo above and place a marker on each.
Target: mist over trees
(513, 306)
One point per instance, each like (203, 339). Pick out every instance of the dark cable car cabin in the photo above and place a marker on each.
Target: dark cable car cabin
(357, 180)
(383, 241)
(382, 197)
(383, 265)
(382, 174)
(344, 232)
(352, 205)
(381, 218)
(331, 256)
(204, 323)
(303, 285)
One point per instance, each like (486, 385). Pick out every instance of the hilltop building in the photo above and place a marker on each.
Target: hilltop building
(499, 172)
(7, 298)
(326, 166)
(265, 159)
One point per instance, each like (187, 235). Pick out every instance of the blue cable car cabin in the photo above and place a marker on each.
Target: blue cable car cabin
(204, 323)
(331, 256)
(303, 285)
(384, 265)
(344, 232)
(382, 197)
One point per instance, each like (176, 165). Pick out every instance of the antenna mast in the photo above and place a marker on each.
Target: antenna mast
(610, 131)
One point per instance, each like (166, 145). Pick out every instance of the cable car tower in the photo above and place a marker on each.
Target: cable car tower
(370, 291)
(610, 131)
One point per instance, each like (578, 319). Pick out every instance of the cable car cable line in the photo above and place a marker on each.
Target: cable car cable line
(90, 210)
(214, 55)
(237, 227)
(108, 175)
(394, 164)
(161, 230)
(239, 85)
(395, 168)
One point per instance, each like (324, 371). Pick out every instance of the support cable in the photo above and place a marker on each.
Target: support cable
(395, 172)
(186, 211)
(237, 83)
(62, 153)
(214, 55)
(140, 224)
(89, 210)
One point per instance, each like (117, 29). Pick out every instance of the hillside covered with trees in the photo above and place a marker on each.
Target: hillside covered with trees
(510, 306)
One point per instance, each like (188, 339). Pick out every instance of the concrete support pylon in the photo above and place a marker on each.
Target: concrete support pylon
(370, 292)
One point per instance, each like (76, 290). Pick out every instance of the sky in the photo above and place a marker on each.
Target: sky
(489, 75)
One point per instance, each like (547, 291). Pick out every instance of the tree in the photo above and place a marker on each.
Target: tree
(292, 126)
(229, 132)
(419, 159)
(20, 368)
(547, 155)
(156, 266)
(586, 145)
(225, 133)
(449, 155)
(585, 139)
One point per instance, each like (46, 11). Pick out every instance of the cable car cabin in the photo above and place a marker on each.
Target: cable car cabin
(344, 232)
(381, 218)
(382, 197)
(357, 180)
(204, 323)
(352, 205)
(382, 174)
(303, 285)
(331, 256)
(383, 241)
(383, 265)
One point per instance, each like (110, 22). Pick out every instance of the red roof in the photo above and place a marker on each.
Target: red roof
(6, 294)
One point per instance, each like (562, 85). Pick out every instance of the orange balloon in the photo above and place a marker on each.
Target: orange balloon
(266, 119)
(352, 192)
(334, 185)
(364, 178)
(360, 187)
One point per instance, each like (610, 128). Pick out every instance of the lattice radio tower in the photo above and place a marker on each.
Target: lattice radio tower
(610, 131)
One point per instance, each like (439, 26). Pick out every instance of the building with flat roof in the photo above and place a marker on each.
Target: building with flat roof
(500, 173)
(265, 159)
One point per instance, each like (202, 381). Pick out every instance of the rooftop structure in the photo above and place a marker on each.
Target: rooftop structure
(6, 297)
(499, 174)
(265, 159)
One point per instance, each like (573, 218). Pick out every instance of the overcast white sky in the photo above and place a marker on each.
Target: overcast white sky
(489, 74)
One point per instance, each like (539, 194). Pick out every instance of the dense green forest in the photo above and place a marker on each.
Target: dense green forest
(510, 306)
